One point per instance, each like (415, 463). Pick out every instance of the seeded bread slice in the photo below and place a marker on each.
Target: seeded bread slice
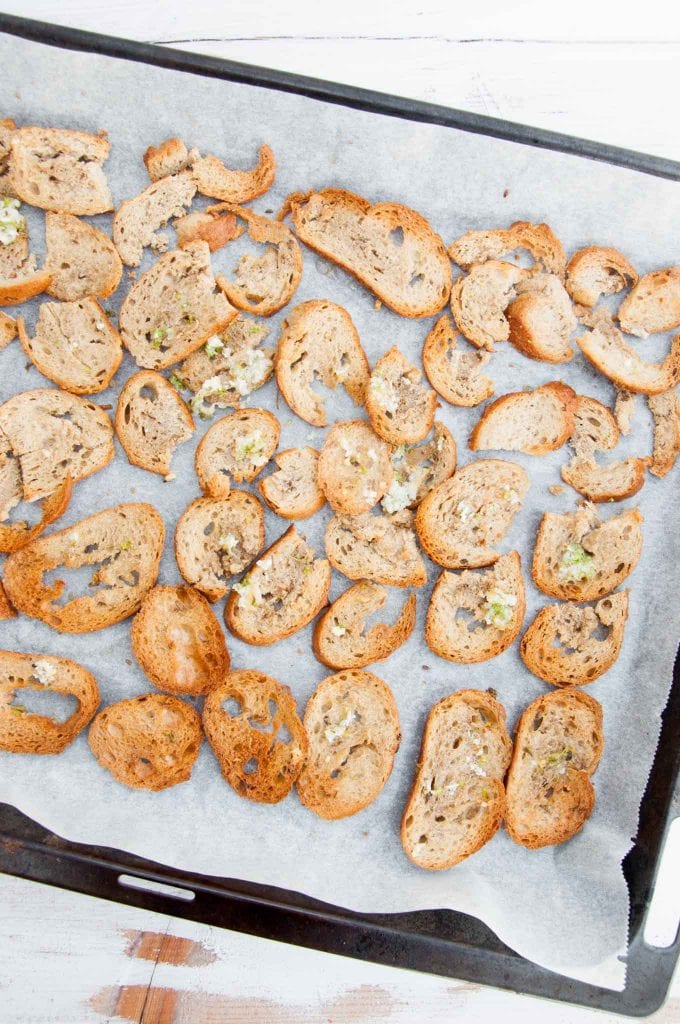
(606, 349)
(81, 259)
(203, 225)
(542, 319)
(418, 469)
(342, 638)
(352, 723)
(561, 644)
(580, 558)
(8, 330)
(217, 538)
(281, 593)
(382, 549)
(390, 249)
(462, 519)
(354, 469)
(293, 491)
(151, 421)
(401, 409)
(219, 182)
(480, 298)
(454, 374)
(595, 429)
(171, 157)
(24, 732)
(230, 366)
(597, 271)
(665, 408)
(457, 801)
(178, 641)
(137, 221)
(236, 448)
(60, 170)
(147, 742)
(538, 239)
(558, 744)
(74, 345)
(173, 308)
(474, 616)
(253, 727)
(534, 422)
(19, 533)
(653, 305)
(123, 544)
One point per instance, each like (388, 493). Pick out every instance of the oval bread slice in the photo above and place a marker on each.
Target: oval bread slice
(534, 422)
(606, 349)
(379, 548)
(542, 319)
(228, 367)
(237, 448)
(60, 170)
(653, 305)
(137, 220)
(480, 298)
(19, 279)
(354, 469)
(293, 491)
(342, 638)
(81, 259)
(538, 239)
(151, 421)
(169, 157)
(453, 373)
(595, 429)
(418, 469)
(352, 724)
(597, 271)
(401, 409)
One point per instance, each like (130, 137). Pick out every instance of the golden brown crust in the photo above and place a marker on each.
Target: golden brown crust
(349, 613)
(150, 429)
(299, 504)
(459, 383)
(562, 394)
(14, 291)
(217, 459)
(6, 609)
(354, 469)
(400, 407)
(219, 182)
(538, 239)
(108, 279)
(595, 271)
(14, 536)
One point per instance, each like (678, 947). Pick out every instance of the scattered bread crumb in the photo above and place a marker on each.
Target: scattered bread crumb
(556, 489)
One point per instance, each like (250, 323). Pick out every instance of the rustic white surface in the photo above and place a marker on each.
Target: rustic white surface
(588, 69)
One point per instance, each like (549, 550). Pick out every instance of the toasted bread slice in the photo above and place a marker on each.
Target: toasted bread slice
(653, 305)
(462, 519)
(219, 182)
(606, 349)
(542, 319)
(8, 330)
(283, 591)
(19, 533)
(474, 616)
(24, 732)
(457, 801)
(352, 723)
(7, 129)
(454, 374)
(147, 742)
(236, 448)
(55, 436)
(534, 422)
(389, 248)
(401, 409)
(624, 410)
(259, 740)
(382, 549)
(173, 308)
(480, 298)
(178, 641)
(217, 538)
(319, 342)
(558, 744)
(74, 345)
(597, 271)
(227, 368)
(354, 468)
(665, 408)
(205, 226)
(81, 259)
(61, 170)
(151, 421)
(342, 638)
(6, 609)
(562, 648)
(595, 429)
(19, 279)
(123, 544)
(418, 469)
(580, 558)
(171, 157)
(293, 491)
(263, 284)
(137, 221)
(538, 239)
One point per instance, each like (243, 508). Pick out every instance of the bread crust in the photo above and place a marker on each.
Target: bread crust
(595, 429)
(653, 305)
(8, 330)
(14, 291)
(299, 505)
(354, 469)
(102, 281)
(349, 612)
(542, 319)
(538, 239)
(381, 549)
(401, 409)
(219, 182)
(595, 271)
(455, 375)
(665, 409)
(605, 348)
(217, 456)
(17, 535)
(169, 157)
(480, 298)
(149, 429)
(26, 165)
(557, 393)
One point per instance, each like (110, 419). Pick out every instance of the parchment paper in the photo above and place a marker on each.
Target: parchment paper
(564, 908)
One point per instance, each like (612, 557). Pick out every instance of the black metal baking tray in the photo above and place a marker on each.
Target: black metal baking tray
(441, 941)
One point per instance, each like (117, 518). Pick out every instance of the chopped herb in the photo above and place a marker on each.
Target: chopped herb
(177, 382)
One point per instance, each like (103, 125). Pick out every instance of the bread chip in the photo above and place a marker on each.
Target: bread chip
(6, 610)
(137, 221)
(342, 638)
(293, 491)
(236, 448)
(665, 408)
(595, 429)
(538, 239)
(354, 469)
(60, 170)
(542, 319)
(219, 182)
(624, 410)
(81, 259)
(454, 374)
(17, 534)
(19, 279)
(8, 330)
(7, 129)
(230, 366)
(400, 408)
(653, 305)
(204, 226)
(151, 421)
(379, 548)
(597, 271)
(418, 469)
(534, 422)
(171, 157)
(606, 349)
(480, 298)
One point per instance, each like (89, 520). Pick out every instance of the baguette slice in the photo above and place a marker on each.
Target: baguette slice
(538, 239)
(418, 469)
(457, 801)
(474, 616)
(624, 410)
(558, 744)
(542, 319)
(203, 226)
(8, 329)
(81, 259)
(342, 638)
(454, 374)
(171, 157)
(283, 591)
(534, 422)
(562, 648)
(219, 182)
(389, 248)
(7, 129)
(123, 544)
(606, 349)
(480, 298)
(578, 557)
(230, 366)
(462, 519)
(147, 742)
(19, 533)
(237, 448)
(352, 722)
(653, 305)
(257, 738)
(19, 279)
(595, 429)
(400, 408)
(319, 342)
(217, 538)
(597, 271)
(178, 641)
(61, 170)
(173, 309)
(665, 409)
(24, 732)
(293, 491)
(74, 345)
(382, 549)
(137, 220)
(354, 469)
(151, 421)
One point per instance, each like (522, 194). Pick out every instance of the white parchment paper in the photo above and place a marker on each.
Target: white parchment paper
(565, 908)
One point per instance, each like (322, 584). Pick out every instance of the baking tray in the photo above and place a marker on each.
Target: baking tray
(441, 941)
